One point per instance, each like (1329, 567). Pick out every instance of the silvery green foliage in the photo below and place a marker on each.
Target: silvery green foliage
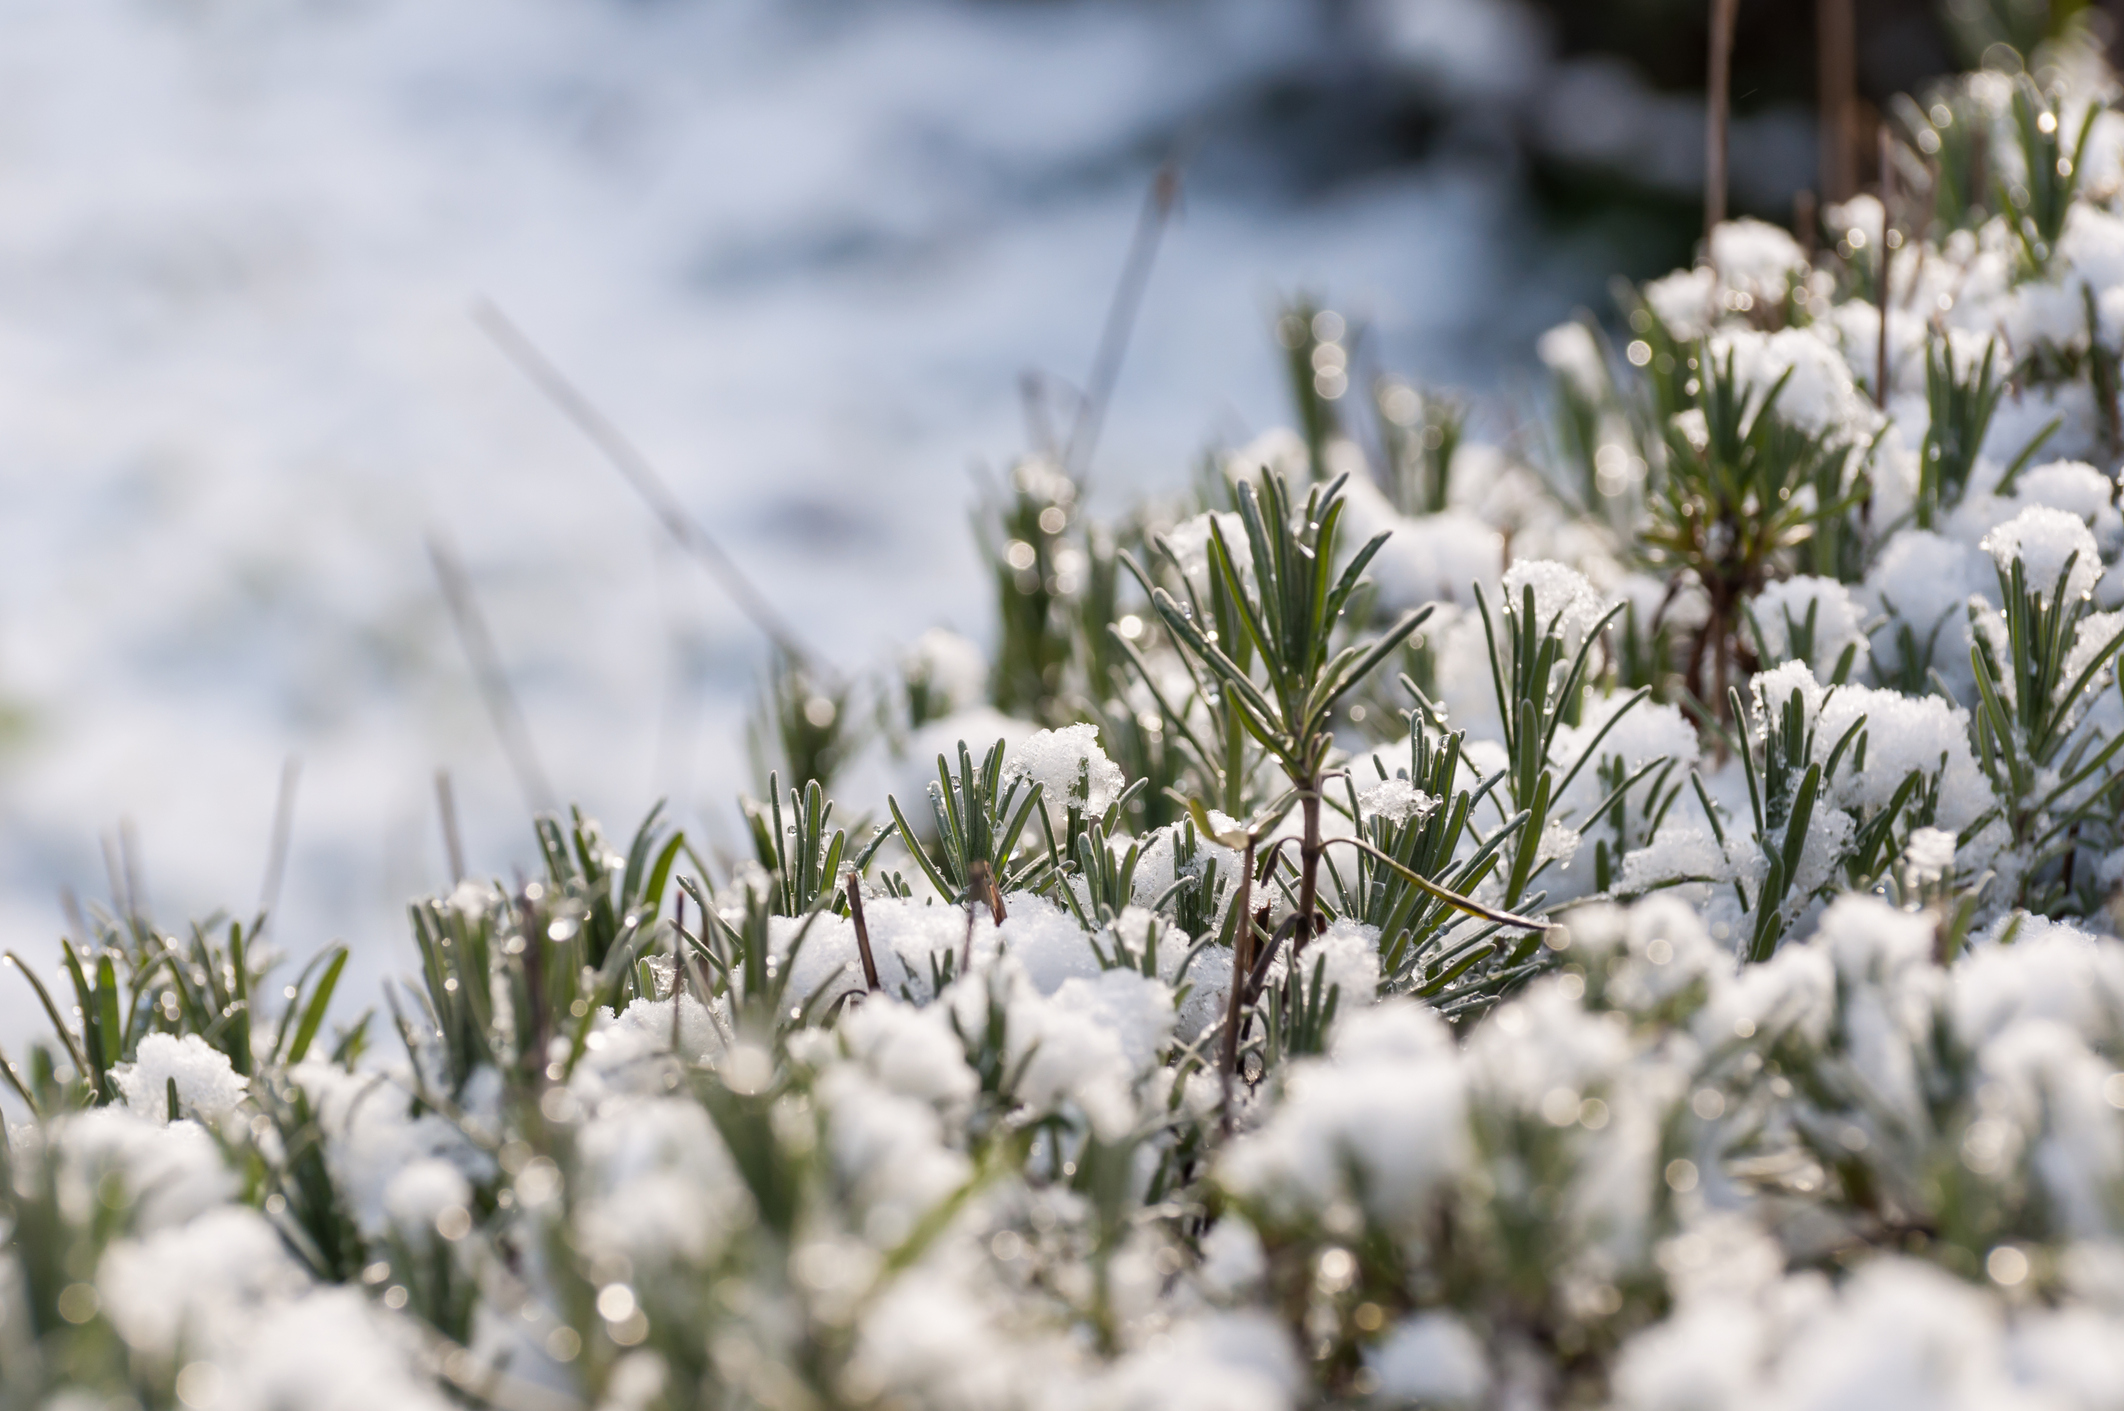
(1649, 1173)
(1710, 997)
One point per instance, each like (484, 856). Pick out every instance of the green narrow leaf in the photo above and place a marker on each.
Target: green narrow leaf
(314, 1012)
(652, 895)
(917, 851)
(107, 1020)
(97, 1069)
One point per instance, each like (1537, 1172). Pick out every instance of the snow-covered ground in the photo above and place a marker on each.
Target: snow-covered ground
(801, 251)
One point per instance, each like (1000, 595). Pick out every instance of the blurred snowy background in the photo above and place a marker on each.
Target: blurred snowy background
(801, 250)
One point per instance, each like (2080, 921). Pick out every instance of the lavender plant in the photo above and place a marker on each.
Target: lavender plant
(1706, 994)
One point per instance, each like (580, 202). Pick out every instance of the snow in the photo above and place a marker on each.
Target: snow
(208, 1086)
(1569, 351)
(659, 1184)
(420, 1195)
(2045, 541)
(1901, 1335)
(1190, 539)
(1379, 1123)
(1429, 558)
(1232, 1259)
(888, 1152)
(1239, 1361)
(1047, 943)
(952, 667)
(1647, 956)
(910, 1052)
(1563, 598)
(1756, 256)
(1089, 1043)
(2076, 487)
(371, 1135)
(1923, 581)
(1929, 853)
(1635, 734)
(1396, 801)
(1678, 852)
(1904, 735)
(1431, 1358)
(904, 936)
(333, 1351)
(1346, 957)
(1683, 300)
(1071, 769)
(1819, 394)
(169, 1175)
(1158, 865)
(198, 1288)
(1781, 612)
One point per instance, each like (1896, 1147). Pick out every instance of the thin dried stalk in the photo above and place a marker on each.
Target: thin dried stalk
(1718, 99)
(1836, 94)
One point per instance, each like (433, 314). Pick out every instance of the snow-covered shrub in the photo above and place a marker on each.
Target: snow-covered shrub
(1398, 925)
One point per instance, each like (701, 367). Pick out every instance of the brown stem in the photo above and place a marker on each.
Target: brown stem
(1723, 660)
(976, 893)
(1715, 640)
(1836, 96)
(1693, 673)
(1719, 101)
(862, 930)
(1242, 967)
(1158, 209)
(1309, 851)
(678, 952)
(1880, 377)
(678, 972)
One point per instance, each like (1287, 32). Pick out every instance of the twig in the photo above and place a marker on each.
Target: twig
(862, 931)
(114, 873)
(136, 903)
(1718, 100)
(1242, 968)
(1880, 379)
(1836, 96)
(277, 853)
(1158, 208)
(628, 460)
(70, 905)
(976, 875)
(453, 844)
(1264, 962)
(494, 688)
(1445, 894)
(1039, 424)
(678, 960)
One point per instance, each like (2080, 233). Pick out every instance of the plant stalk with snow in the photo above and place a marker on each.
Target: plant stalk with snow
(1289, 618)
(1743, 488)
(2039, 664)
(979, 816)
(1540, 654)
(803, 863)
